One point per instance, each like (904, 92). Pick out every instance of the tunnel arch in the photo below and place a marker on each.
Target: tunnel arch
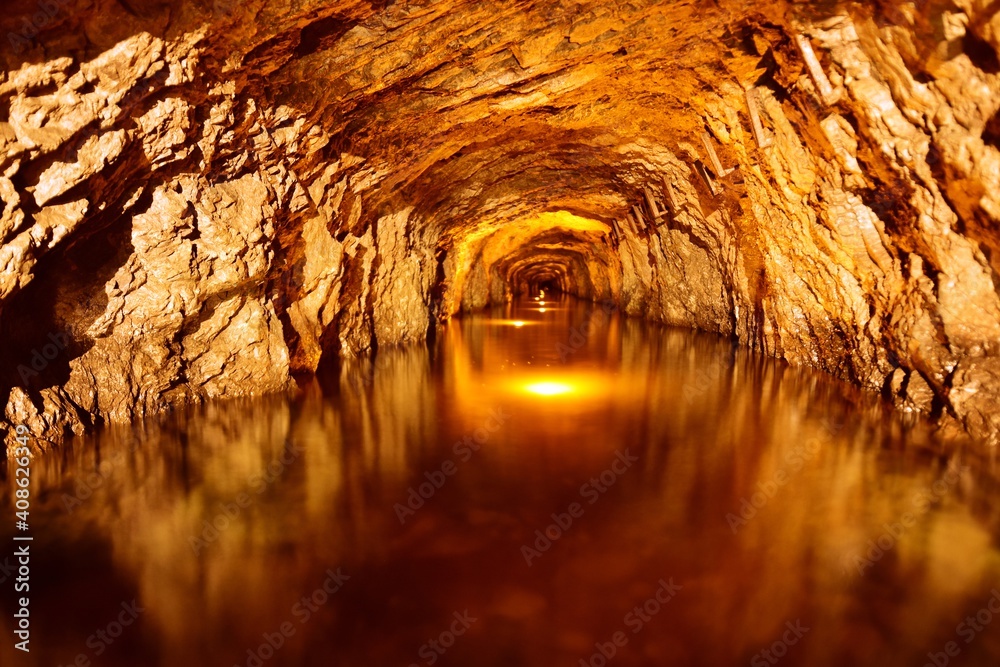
(491, 265)
(331, 178)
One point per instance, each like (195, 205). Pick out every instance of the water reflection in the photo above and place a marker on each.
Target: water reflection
(770, 496)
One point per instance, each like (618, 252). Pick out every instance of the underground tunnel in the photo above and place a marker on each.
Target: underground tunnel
(530, 332)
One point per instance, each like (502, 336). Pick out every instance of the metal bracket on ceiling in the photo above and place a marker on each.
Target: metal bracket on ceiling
(668, 189)
(640, 221)
(614, 232)
(706, 140)
(651, 202)
(709, 181)
(759, 133)
(823, 85)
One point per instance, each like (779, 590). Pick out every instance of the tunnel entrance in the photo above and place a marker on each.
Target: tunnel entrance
(549, 287)
(556, 252)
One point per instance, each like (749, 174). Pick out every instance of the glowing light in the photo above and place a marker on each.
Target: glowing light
(566, 391)
(549, 388)
(541, 303)
(511, 323)
(541, 310)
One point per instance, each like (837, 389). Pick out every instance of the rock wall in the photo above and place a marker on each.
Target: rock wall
(208, 199)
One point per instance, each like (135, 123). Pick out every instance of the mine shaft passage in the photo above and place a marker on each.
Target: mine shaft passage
(510, 333)
(470, 501)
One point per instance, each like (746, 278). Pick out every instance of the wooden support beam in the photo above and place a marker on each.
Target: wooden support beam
(631, 224)
(640, 221)
(668, 188)
(823, 85)
(653, 208)
(713, 156)
(760, 134)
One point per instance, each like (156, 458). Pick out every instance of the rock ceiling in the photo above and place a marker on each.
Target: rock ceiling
(204, 198)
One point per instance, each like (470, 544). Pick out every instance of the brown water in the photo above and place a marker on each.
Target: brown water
(676, 429)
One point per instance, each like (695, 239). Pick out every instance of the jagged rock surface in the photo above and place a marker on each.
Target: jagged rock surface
(204, 199)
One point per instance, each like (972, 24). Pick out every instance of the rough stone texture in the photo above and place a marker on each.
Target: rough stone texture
(204, 199)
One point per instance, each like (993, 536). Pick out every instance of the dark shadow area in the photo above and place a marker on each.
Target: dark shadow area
(981, 53)
(991, 133)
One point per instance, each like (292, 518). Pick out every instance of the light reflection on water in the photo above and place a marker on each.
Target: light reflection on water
(300, 487)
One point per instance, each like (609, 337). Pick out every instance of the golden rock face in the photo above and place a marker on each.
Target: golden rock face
(202, 199)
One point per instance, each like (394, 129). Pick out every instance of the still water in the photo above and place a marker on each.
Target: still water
(545, 485)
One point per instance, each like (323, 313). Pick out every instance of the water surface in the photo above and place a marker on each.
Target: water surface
(768, 508)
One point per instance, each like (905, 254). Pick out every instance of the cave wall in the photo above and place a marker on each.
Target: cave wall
(207, 199)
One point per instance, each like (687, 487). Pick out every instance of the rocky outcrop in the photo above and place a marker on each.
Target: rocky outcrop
(207, 199)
